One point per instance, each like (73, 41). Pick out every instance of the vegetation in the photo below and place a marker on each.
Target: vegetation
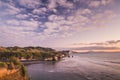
(27, 53)
(15, 61)
(23, 71)
(3, 65)
(10, 59)
(15, 68)
(16, 76)
(11, 66)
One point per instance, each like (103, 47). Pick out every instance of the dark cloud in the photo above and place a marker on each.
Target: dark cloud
(106, 43)
(96, 48)
(113, 42)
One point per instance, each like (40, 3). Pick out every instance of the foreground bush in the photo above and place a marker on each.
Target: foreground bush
(23, 71)
(11, 66)
(3, 65)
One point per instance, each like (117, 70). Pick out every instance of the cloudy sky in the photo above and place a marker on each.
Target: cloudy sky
(60, 23)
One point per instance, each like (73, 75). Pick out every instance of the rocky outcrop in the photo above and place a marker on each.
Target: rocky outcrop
(55, 58)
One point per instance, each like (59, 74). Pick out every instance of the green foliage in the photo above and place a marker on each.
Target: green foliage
(23, 71)
(28, 53)
(47, 54)
(11, 56)
(3, 65)
(11, 66)
(15, 61)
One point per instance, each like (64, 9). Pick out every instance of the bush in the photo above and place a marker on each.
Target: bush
(15, 61)
(3, 65)
(23, 71)
(11, 66)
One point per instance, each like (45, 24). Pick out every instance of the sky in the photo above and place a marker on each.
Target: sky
(60, 23)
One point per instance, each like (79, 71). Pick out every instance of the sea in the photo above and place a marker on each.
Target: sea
(82, 66)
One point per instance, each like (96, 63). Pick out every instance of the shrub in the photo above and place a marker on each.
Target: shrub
(15, 61)
(3, 65)
(23, 71)
(11, 66)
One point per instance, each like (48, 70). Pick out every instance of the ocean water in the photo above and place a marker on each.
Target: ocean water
(86, 66)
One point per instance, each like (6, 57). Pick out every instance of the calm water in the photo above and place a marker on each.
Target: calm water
(93, 66)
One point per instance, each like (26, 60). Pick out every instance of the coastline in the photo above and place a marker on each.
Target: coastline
(29, 62)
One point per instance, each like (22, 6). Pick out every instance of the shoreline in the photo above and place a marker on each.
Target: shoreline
(29, 62)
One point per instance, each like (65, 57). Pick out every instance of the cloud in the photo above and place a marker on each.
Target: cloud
(0, 3)
(77, 21)
(55, 18)
(94, 3)
(97, 3)
(13, 36)
(64, 3)
(56, 24)
(47, 19)
(97, 48)
(86, 11)
(114, 42)
(9, 8)
(12, 10)
(13, 22)
(29, 25)
(107, 46)
(29, 3)
(39, 11)
(107, 2)
(50, 28)
(72, 22)
(111, 43)
(101, 19)
(22, 16)
(52, 4)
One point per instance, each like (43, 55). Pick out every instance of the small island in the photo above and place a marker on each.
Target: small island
(13, 59)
